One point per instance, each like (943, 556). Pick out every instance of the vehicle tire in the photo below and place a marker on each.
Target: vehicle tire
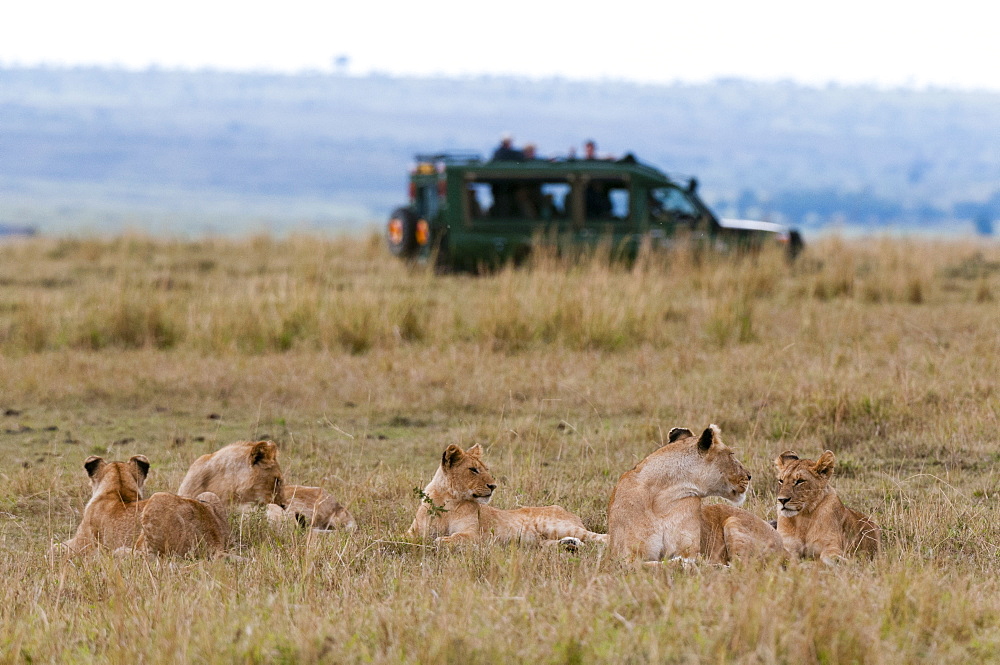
(401, 233)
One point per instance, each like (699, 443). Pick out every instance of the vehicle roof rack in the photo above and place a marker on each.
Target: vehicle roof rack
(450, 157)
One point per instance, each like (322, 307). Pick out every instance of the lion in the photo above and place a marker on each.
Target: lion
(119, 519)
(656, 510)
(243, 473)
(174, 524)
(312, 507)
(454, 508)
(812, 520)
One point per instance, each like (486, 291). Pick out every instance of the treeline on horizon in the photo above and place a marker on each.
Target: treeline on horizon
(857, 156)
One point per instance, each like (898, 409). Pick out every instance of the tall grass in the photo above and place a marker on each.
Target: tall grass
(264, 295)
(364, 369)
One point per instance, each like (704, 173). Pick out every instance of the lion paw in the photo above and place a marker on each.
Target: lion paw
(571, 544)
(683, 563)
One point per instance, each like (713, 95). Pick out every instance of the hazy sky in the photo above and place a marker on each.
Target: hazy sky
(890, 42)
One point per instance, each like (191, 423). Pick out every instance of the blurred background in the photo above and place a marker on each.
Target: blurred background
(236, 117)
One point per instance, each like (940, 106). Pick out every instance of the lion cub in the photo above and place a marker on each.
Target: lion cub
(812, 520)
(243, 473)
(116, 517)
(312, 507)
(454, 508)
(656, 509)
(174, 524)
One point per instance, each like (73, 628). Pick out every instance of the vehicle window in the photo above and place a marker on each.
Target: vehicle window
(606, 199)
(555, 196)
(619, 202)
(480, 199)
(523, 199)
(669, 204)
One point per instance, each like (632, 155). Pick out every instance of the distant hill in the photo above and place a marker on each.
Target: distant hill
(166, 150)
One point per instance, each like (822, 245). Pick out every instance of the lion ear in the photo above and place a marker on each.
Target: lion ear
(92, 464)
(708, 438)
(824, 465)
(142, 464)
(476, 450)
(452, 456)
(784, 459)
(678, 433)
(263, 451)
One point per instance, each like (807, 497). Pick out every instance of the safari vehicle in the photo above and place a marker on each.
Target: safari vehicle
(470, 214)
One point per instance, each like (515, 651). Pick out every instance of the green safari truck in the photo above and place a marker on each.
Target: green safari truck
(470, 214)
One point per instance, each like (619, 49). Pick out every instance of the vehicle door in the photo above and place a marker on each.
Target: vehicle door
(674, 214)
(608, 216)
(504, 214)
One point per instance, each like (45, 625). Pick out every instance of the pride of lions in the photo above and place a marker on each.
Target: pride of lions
(656, 512)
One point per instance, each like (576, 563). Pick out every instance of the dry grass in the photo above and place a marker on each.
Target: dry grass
(364, 370)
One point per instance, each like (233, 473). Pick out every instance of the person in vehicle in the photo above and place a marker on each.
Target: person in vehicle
(506, 152)
(590, 152)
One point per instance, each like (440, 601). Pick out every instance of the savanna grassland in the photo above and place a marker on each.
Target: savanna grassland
(362, 369)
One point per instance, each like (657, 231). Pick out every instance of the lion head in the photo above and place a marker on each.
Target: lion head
(802, 483)
(123, 478)
(262, 480)
(717, 471)
(466, 475)
(245, 472)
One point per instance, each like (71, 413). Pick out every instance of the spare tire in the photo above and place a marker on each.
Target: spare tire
(401, 233)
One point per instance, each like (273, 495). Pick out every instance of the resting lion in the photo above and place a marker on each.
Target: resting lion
(174, 524)
(117, 517)
(243, 473)
(812, 520)
(454, 508)
(656, 509)
(312, 507)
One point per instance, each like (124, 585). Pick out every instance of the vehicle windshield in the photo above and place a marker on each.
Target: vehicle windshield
(671, 203)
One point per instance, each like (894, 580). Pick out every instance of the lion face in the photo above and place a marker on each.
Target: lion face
(715, 466)
(736, 478)
(468, 477)
(733, 477)
(802, 483)
(264, 483)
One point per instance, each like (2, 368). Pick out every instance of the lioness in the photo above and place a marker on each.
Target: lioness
(244, 473)
(312, 507)
(117, 518)
(812, 520)
(656, 509)
(454, 508)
